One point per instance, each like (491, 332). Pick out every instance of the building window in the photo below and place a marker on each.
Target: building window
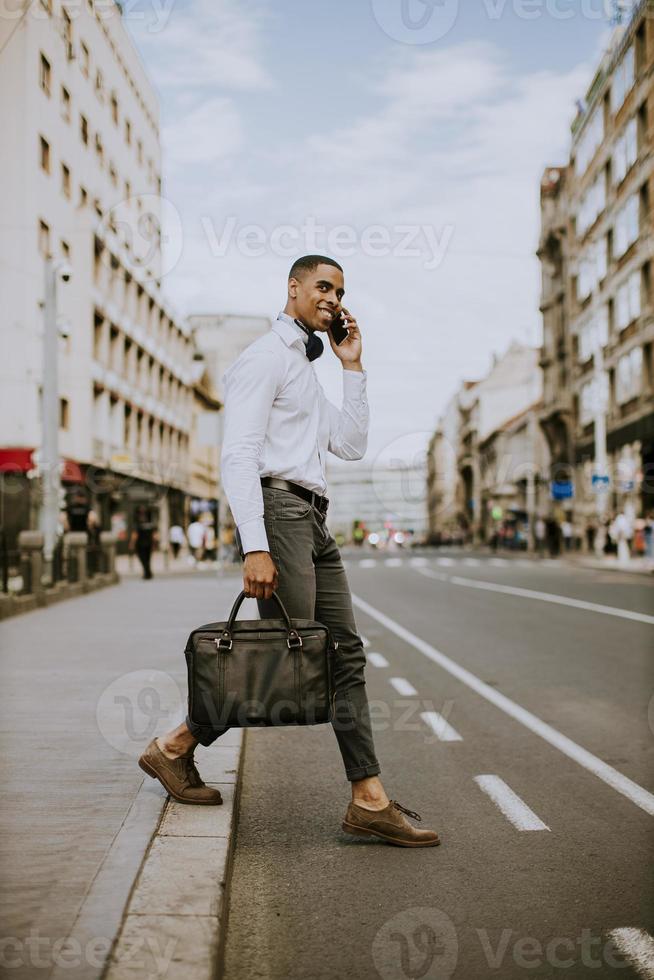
(99, 85)
(67, 33)
(113, 175)
(593, 265)
(99, 149)
(625, 151)
(65, 180)
(623, 80)
(84, 129)
(83, 196)
(44, 155)
(139, 151)
(65, 250)
(593, 334)
(627, 301)
(64, 413)
(592, 204)
(592, 136)
(85, 60)
(44, 239)
(629, 376)
(625, 231)
(65, 103)
(593, 398)
(128, 132)
(45, 74)
(128, 190)
(114, 108)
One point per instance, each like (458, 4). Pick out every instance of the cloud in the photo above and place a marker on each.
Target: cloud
(206, 44)
(453, 136)
(209, 132)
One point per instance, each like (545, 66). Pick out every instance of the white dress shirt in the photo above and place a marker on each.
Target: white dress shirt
(279, 422)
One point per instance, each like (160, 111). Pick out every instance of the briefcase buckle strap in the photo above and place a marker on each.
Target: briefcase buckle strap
(293, 640)
(224, 643)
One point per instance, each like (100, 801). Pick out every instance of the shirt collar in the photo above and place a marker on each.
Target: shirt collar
(288, 330)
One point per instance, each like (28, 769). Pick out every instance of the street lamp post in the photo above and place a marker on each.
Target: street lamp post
(50, 416)
(601, 457)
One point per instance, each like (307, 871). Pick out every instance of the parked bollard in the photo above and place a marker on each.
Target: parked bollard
(30, 544)
(75, 543)
(108, 543)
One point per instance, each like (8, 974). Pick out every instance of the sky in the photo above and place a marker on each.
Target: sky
(406, 138)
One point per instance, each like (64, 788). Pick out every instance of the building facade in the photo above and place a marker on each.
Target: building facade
(81, 164)
(465, 472)
(596, 252)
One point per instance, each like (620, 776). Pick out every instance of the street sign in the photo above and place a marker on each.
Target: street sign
(600, 482)
(562, 489)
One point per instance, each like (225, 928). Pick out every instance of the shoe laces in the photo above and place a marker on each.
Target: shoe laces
(409, 813)
(192, 773)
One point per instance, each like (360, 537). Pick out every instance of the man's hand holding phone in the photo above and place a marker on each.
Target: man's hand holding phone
(350, 348)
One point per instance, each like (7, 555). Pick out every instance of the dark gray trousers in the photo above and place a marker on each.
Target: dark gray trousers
(313, 585)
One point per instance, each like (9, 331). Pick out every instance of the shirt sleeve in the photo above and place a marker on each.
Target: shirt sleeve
(348, 427)
(250, 390)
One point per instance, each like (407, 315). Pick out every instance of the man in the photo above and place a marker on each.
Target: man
(278, 429)
(196, 535)
(144, 537)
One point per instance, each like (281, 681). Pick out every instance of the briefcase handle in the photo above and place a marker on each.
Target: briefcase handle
(294, 638)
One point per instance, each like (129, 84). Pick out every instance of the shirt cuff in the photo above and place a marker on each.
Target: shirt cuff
(253, 535)
(354, 382)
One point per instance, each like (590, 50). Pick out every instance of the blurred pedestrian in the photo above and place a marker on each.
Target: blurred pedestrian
(176, 539)
(621, 534)
(639, 537)
(143, 538)
(93, 529)
(196, 533)
(649, 535)
(567, 533)
(553, 537)
(210, 543)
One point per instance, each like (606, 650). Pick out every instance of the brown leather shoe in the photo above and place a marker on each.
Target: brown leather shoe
(389, 824)
(179, 777)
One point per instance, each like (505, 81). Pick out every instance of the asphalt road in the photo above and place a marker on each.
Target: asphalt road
(541, 787)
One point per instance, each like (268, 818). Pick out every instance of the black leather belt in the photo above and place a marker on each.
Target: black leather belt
(322, 503)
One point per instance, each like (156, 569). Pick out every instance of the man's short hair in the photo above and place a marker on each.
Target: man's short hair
(309, 263)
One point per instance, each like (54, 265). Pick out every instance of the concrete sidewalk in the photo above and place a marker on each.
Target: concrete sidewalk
(85, 685)
(611, 563)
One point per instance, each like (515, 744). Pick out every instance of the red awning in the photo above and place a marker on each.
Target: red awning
(19, 460)
(15, 460)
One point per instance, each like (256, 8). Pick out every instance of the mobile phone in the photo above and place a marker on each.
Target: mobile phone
(339, 329)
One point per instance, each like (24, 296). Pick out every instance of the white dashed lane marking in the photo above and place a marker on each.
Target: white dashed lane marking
(403, 686)
(637, 947)
(622, 784)
(440, 727)
(393, 562)
(377, 660)
(514, 809)
(367, 563)
(446, 562)
(561, 600)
